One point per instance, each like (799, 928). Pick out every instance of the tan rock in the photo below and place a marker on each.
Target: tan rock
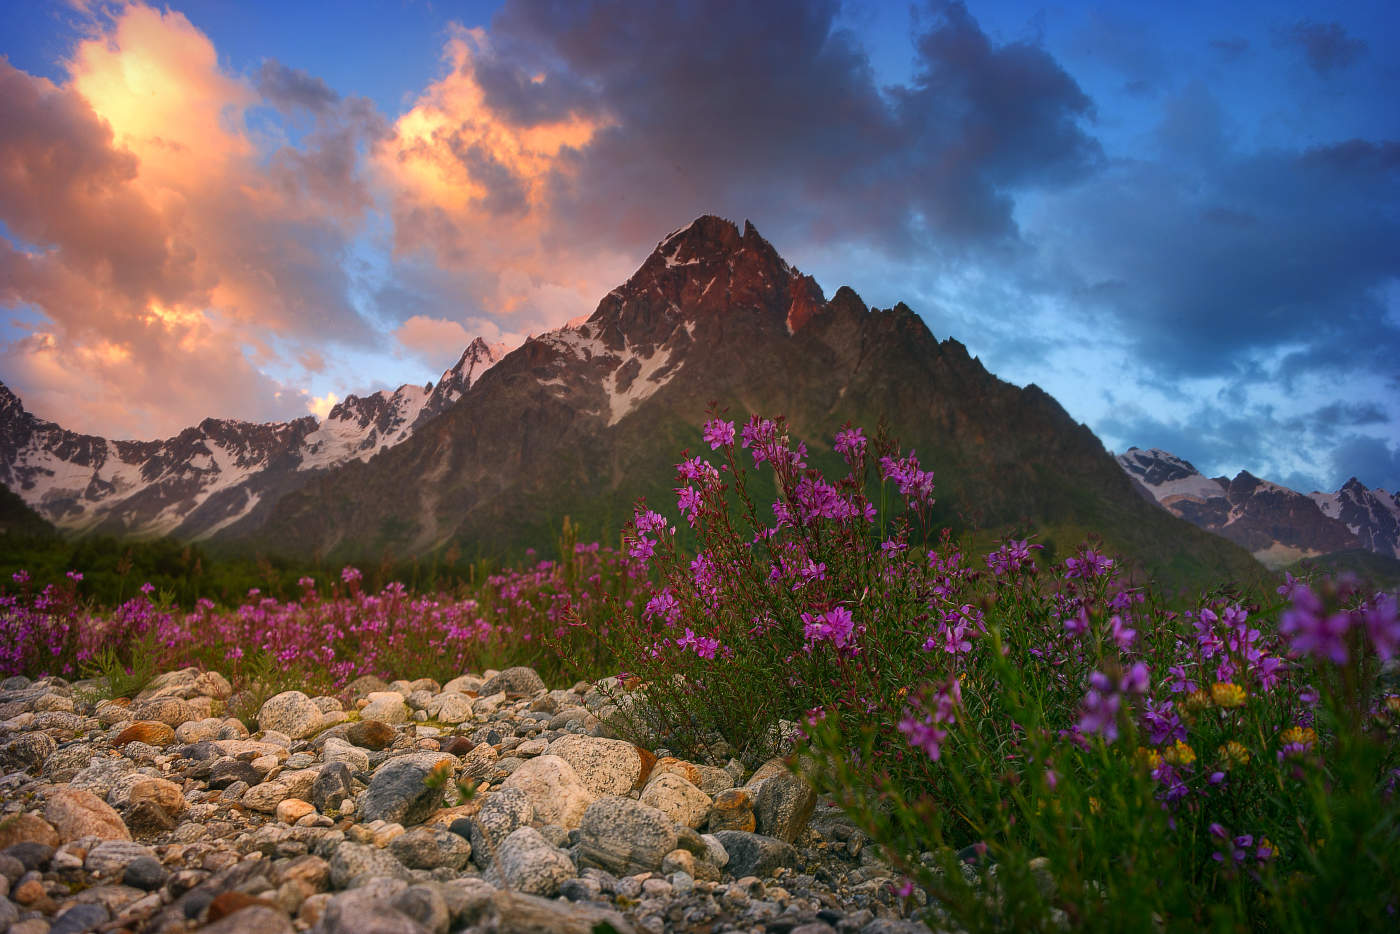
(678, 799)
(291, 810)
(151, 732)
(27, 828)
(75, 813)
(555, 790)
(604, 766)
(164, 794)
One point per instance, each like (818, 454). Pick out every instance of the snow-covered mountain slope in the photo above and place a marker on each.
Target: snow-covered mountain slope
(1277, 524)
(215, 476)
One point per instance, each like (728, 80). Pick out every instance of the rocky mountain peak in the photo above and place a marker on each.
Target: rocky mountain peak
(706, 269)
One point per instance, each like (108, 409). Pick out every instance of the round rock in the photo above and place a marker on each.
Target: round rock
(531, 864)
(554, 790)
(290, 712)
(624, 837)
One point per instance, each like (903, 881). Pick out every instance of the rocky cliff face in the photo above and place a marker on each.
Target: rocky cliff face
(1277, 525)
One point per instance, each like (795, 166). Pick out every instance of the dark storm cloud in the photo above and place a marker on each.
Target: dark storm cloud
(767, 111)
(1327, 46)
(1363, 457)
(290, 88)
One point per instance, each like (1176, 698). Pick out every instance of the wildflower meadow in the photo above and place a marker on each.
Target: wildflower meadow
(1035, 745)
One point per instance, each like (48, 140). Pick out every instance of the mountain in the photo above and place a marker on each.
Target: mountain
(217, 478)
(582, 420)
(1279, 526)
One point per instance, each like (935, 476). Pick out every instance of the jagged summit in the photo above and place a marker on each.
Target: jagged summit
(702, 270)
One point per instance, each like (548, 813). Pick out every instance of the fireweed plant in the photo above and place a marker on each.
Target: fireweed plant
(1033, 746)
(320, 641)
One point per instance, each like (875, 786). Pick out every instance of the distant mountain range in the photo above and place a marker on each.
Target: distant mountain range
(218, 478)
(582, 420)
(1277, 525)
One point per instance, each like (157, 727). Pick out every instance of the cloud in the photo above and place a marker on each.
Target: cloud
(436, 340)
(1326, 46)
(171, 252)
(320, 406)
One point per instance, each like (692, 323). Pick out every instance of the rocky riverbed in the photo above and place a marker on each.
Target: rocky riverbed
(161, 813)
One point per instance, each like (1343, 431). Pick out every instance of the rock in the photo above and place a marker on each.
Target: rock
(332, 785)
(265, 797)
(145, 872)
(554, 790)
(26, 753)
(339, 750)
(75, 813)
(254, 919)
(398, 791)
(194, 731)
(291, 810)
(26, 828)
(604, 766)
(225, 772)
(624, 836)
(371, 734)
(466, 684)
(79, 919)
(517, 913)
(353, 860)
(365, 685)
(733, 810)
(430, 848)
(386, 706)
(479, 761)
(161, 792)
(426, 905)
(784, 805)
(764, 772)
(451, 708)
(110, 858)
(349, 913)
(752, 854)
(171, 711)
(531, 864)
(502, 812)
(290, 712)
(515, 682)
(678, 799)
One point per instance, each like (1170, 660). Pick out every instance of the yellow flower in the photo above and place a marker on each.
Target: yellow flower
(1392, 703)
(1304, 735)
(1178, 753)
(1227, 694)
(1234, 754)
(1197, 700)
(1148, 758)
(1094, 806)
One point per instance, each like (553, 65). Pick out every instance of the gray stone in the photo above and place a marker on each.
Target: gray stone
(290, 712)
(752, 854)
(784, 805)
(450, 707)
(624, 836)
(398, 791)
(502, 812)
(430, 848)
(425, 905)
(80, 919)
(225, 772)
(332, 785)
(353, 860)
(145, 872)
(172, 711)
(515, 682)
(530, 864)
(678, 799)
(110, 858)
(26, 753)
(517, 913)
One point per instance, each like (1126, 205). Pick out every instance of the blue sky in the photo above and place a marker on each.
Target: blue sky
(1181, 220)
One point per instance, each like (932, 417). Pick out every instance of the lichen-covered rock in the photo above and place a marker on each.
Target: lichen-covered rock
(605, 766)
(678, 799)
(531, 864)
(554, 789)
(784, 805)
(75, 813)
(290, 712)
(399, 792)
(515, 682)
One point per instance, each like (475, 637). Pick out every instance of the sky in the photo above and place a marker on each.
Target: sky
(1181, 220)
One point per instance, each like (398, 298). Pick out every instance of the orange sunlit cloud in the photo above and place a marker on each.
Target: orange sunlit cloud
(154, 242)
(471, 191)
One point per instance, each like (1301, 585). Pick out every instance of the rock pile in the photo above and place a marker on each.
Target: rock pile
(162, 814)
